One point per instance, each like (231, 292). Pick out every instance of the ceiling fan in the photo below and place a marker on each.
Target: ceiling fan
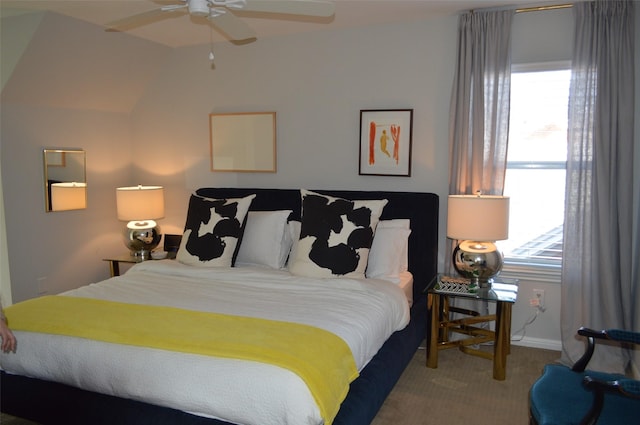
(220, 13)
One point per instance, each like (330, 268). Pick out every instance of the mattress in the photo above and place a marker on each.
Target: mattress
(364, 313)
(406, 284)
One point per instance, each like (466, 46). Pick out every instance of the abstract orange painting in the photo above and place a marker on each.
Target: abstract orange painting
(385, 142)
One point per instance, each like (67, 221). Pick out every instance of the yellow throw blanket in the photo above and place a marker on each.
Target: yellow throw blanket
(323, 360)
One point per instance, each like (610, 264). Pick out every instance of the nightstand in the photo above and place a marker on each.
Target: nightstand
(114, 262)
(503, 292)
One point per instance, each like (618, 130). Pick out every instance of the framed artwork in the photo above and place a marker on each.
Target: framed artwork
(385, 142)
(243, 142)
(55, 158)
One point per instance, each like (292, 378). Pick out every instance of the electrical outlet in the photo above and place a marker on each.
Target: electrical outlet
(538, 300)
(42, 285)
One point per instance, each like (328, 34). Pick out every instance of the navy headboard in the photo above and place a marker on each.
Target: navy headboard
(421, 208)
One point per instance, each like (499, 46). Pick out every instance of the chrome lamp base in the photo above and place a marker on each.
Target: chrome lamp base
(141, 237)
(478, 261)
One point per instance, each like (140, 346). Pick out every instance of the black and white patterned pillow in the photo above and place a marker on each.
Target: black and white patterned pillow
(335, 236)
(213, 231)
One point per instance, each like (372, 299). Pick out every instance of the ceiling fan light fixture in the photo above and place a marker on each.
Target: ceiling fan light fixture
(198, 7)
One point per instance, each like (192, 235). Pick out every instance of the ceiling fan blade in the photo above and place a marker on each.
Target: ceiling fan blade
(146, 17)
(232, 26)
(320, 8)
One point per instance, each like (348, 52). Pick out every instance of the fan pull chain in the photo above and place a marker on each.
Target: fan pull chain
(211, 56)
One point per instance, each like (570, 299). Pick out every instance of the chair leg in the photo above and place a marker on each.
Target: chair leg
(596, 408)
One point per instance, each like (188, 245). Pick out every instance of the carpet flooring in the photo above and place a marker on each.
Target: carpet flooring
(460, 391)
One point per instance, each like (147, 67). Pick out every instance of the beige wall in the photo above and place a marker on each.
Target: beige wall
(317, 83)
(141, 112)
(73, 87)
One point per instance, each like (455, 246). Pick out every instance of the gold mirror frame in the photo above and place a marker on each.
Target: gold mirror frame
(65, 182)
(243, 142)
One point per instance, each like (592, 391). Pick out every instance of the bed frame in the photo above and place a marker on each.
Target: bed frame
(53, 403)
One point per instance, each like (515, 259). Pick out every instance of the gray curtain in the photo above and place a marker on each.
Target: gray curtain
(479, 111)
(479, 115)
(5, 281)
(598, 280)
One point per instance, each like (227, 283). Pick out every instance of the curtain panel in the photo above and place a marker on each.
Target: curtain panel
(5, 280)
(598, 281)
(479, 110)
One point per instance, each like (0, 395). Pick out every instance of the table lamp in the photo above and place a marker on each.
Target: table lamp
(477, 221)
(140, 206)
(68, 196)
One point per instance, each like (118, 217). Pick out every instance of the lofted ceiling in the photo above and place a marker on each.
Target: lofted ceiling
(185, 30)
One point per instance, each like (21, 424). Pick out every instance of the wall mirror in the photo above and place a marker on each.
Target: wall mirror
(65, 183)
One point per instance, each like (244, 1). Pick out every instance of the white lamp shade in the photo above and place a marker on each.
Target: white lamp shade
(478, 218)
(140, 203)
(68, 196)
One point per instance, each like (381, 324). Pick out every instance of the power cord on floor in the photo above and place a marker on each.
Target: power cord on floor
(523, 329)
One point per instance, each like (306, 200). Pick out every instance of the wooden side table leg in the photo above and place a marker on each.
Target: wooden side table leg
(444, 315)
(433, 305)
(501, 344)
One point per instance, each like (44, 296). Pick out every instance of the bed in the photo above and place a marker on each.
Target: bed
(378, 364)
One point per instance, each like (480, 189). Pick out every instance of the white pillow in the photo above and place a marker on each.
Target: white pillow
(335, 235)
(266, 240)
(403, 223)
(388, 256)
(294, 233)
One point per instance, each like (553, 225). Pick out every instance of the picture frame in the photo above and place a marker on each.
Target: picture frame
(243, 142)
(385, 142)
(55, 158)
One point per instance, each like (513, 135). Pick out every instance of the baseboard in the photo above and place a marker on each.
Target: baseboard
(545, 344)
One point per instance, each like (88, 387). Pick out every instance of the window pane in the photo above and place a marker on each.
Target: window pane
(536, 215)
(536, 162)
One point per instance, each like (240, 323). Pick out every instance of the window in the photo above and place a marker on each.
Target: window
(536, 166)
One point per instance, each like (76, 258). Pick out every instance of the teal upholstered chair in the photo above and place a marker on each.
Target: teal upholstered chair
(578, 396)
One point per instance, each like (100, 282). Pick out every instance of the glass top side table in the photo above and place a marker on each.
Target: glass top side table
(503, 292)
(114, 262)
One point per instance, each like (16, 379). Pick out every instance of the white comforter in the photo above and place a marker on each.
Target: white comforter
(362, 312)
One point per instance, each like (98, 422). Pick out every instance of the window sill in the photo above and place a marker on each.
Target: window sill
(539, 273)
